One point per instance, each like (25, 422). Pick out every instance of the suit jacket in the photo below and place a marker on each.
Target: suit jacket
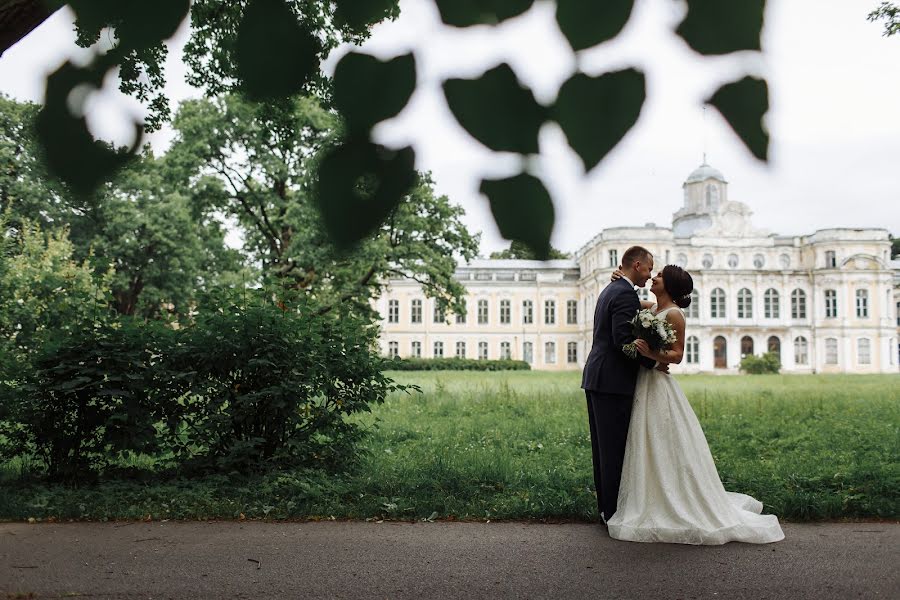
(608, 369)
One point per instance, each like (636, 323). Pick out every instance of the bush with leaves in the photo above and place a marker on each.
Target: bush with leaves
(758, 365)
(268, 382)
(456, 364)
(44, 291)
(87, 401)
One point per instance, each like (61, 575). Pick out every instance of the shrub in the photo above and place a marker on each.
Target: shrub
(456, 364)
(86, 400)
(757, 365)
(264, 383)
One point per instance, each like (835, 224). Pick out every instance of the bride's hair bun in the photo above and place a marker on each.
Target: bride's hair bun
(679, 284)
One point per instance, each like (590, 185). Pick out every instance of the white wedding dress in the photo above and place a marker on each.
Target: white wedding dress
(670, 489)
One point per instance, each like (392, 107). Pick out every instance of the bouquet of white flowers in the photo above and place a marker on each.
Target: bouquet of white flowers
(658, 332)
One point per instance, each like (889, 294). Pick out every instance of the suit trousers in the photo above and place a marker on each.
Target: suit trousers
(609, 415)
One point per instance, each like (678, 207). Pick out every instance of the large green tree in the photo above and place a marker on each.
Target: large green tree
(144, 222)
(257, 163)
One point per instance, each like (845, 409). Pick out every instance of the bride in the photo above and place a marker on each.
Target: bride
(670, 489)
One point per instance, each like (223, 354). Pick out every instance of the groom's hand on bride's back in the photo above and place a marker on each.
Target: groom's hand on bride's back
(664, 367)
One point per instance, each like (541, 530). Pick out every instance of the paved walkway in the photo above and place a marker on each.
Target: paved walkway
(435, 560)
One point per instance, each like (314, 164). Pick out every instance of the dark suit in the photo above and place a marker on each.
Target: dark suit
(608, 381)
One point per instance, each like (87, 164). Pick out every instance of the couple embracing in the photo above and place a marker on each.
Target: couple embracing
(653, 471)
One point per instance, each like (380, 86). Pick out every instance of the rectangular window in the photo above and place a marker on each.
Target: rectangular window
(862, 304)
(393, 349)
(572, 312)
(482, 350)
(798, 304)
(613, 258)
(572, 352)
(550, 353)
(549, 312)
(439, 349)
(717, 304)
(693, 311)
(527, 312)
(528, 352)
(770, 304)
(393, 311)
(831, 351)
(863, 352)
(417, 349)
(439, 316)
(830, 259)
(830, 304)
(460, 319)
(505, 351)
(801, 351)
(460, 349)
(482, 312)
(505, 312)
(692, 350)
(415, 315)
(745, 304)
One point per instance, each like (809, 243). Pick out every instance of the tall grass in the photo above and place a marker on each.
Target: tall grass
(516, 445)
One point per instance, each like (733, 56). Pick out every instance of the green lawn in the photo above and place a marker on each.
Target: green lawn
(515, 445)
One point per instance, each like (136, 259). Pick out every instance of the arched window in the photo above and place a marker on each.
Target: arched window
(692, 350)
(528, 352)
(707, 261)
(773, 345)
(831, 351)
(745, 304)
(550, 352)
(717, 304)
(863, 351)
(693, 311)
(798, 304)
(801, 350)
(720, 352)
(772, 304)
(712, 195)
(746, 346)
(733, 261)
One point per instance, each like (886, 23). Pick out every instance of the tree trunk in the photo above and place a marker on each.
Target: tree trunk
(18, 18)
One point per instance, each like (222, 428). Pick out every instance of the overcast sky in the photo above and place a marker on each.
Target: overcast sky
(834, 85)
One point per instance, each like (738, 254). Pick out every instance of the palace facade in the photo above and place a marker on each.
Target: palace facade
(824, 302)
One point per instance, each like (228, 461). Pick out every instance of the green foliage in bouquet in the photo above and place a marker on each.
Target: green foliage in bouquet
(758, 365)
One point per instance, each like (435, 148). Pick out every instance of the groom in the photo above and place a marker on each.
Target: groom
(609, 375)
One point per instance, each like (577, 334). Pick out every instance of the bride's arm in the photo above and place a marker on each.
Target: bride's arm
(674, 354)
(617, 274)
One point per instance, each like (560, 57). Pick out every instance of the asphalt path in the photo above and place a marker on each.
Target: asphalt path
(441, 560)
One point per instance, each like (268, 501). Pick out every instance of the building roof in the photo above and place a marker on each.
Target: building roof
(704, 172)
(506, 263)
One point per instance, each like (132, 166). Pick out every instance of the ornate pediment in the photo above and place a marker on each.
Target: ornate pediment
(732, 219)
(862, 262)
